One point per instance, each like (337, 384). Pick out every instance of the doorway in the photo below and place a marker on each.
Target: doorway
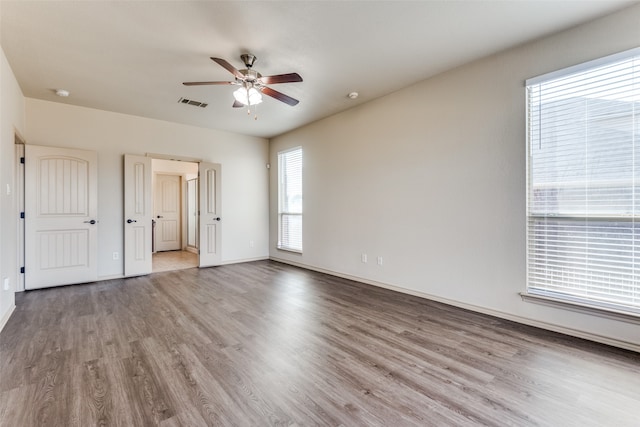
(139, 174)
(174, 212)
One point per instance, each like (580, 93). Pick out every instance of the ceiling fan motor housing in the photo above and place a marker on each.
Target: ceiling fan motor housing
(250, 76)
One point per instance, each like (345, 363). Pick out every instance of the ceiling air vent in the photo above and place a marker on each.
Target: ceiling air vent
(192, 102)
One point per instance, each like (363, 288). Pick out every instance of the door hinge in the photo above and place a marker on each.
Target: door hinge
(21, 215)
(22, 270)
(22, 160)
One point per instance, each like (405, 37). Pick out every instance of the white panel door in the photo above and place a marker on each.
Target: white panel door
(138, 216)
(166, 202)
(61, 216)
(210, 222)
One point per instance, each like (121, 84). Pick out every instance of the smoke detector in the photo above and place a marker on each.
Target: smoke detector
(62, 92)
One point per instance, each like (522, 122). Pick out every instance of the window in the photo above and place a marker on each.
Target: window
(583, 231)
(290, 200)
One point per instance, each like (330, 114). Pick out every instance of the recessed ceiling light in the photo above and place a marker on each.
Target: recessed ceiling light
(62, 92)
(353, 95)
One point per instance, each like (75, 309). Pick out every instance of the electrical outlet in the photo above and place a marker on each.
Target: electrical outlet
(116, 256)
(6, 283)
(364, 258)
(251, 244)
(379, 260)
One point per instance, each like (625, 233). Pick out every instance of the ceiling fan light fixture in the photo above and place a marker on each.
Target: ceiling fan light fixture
(247, 96)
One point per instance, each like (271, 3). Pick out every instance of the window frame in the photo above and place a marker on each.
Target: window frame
(554, 298)
(282, 211)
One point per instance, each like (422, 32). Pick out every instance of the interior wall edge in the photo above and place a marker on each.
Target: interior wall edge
(478, 309)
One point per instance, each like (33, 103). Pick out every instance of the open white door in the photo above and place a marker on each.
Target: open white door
(138, 213)
(61, 216)
(210, 221)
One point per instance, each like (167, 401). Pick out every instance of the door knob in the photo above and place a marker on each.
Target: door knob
(129, 221)
(159, 216)
(93, 221)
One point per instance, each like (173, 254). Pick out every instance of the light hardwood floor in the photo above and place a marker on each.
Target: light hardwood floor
(174, 260)
(263, 343)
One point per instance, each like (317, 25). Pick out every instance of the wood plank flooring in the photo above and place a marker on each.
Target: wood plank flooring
(262, 344)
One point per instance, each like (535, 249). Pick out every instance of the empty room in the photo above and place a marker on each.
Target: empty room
(332, 213)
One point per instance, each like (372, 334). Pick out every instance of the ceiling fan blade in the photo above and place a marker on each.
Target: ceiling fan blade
(279, 96)
(237, 104)
(207, 83)
(281, 78)
(230, 68)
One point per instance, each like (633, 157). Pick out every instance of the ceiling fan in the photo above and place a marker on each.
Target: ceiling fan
(252, 84)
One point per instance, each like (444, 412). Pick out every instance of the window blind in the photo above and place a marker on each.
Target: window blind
(290, 200)
(583, 207)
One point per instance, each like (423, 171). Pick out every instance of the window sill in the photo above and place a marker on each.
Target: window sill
(293, 251)
(608, 313)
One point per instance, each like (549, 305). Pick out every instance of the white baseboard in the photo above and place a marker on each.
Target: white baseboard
(239, 261)
(502, 315)
(6, 317)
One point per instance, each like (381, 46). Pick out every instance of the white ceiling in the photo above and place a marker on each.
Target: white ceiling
(131, 57)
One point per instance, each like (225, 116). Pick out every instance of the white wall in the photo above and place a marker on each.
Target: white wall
(186, 169)
(243, 159)
(11, 121)
(432, 178)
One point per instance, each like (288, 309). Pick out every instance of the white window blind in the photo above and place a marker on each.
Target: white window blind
(290, 200)
(583, 232)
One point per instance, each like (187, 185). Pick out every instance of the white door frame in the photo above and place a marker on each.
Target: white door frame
(20, 208)
(190, 193)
